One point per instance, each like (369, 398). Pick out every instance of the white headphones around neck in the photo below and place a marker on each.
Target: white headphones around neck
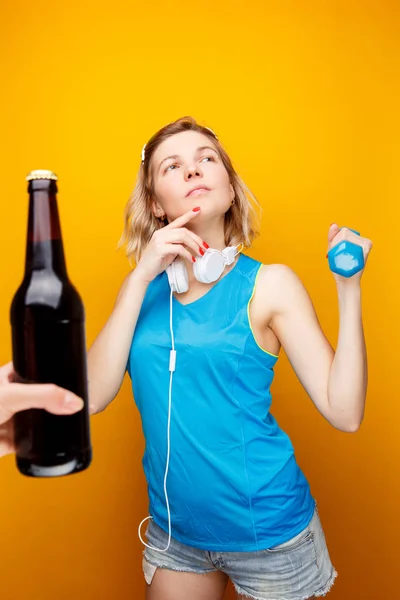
(207, 268)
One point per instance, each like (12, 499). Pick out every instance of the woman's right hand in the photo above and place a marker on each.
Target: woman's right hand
(166, 244)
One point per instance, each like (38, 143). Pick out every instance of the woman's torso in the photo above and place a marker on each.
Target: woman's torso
(233, 481)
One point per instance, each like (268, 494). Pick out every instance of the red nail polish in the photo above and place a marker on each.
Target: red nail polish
(201, 251)
(193, 259)
(206, 246)
(196, 209)
(326, 256)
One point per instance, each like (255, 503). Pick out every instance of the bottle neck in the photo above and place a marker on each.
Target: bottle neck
(44, 249)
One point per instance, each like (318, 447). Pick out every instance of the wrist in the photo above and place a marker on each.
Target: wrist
(349, 291)
(137, 280)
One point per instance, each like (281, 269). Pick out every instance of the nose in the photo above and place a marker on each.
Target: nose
(193, 171)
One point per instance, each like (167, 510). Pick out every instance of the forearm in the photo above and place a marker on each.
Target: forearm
(108, 355)
(348, 377)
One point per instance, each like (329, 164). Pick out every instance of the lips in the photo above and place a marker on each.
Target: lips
(198, 190)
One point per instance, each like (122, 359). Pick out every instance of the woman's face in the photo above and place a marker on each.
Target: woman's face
(187, 172)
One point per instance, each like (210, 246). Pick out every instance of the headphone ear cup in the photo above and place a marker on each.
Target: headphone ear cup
(209, 267)
(178, 276)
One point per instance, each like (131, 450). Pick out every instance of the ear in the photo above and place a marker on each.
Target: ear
(157, 209)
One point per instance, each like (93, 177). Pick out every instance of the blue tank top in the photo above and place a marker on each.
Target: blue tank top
(233, 481)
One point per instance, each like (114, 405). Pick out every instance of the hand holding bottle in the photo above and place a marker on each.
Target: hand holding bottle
(15, 397)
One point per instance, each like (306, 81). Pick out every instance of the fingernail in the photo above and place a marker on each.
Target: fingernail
(193, 259)
(196, 209)
(326, 256)
(201, 251)
(206, 246)
(72, 402)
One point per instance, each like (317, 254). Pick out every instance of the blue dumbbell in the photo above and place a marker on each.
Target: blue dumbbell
(346, 258)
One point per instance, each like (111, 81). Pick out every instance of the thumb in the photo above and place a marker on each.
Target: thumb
(333, 231)
(18, 396)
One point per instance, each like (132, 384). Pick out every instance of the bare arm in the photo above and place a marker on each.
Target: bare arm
(108, 355)
(335, 381)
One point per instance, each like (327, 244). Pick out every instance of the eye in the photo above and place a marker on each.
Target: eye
(169, 167)
(208, 158)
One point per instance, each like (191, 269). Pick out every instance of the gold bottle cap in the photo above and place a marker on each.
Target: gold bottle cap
(40, 174)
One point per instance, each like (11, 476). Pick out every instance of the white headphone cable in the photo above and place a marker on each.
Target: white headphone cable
(172, 362)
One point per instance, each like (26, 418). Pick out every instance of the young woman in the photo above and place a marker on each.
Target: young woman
(227, 498)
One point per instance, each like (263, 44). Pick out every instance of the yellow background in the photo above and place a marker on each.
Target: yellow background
(305, 98)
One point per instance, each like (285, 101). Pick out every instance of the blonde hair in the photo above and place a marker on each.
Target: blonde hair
(241, 220)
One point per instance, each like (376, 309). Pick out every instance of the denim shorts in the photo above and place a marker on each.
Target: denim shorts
(295, 570)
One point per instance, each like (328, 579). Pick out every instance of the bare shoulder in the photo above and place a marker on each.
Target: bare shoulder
(277, 272)
(280, 300)
(278, 285)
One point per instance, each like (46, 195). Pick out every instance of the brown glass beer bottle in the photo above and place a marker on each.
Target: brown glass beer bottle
(48, 343)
